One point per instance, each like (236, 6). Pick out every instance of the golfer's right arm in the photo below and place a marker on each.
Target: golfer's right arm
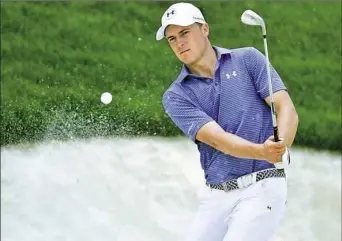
(213, 135)
(200, 127)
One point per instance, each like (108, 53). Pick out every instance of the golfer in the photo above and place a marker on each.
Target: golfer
(220, 101)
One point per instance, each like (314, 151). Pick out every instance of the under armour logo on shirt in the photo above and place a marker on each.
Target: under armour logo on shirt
(233, 74)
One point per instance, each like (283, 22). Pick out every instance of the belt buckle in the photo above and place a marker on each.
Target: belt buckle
(246, 180)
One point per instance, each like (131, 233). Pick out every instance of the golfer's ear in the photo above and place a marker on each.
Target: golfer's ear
(205, 29)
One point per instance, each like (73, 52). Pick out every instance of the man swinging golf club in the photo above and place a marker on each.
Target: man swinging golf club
(224, 101)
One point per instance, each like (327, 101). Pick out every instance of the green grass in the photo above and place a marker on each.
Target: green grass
(58, 57)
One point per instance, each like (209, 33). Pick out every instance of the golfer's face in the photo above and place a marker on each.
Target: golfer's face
(186, 42)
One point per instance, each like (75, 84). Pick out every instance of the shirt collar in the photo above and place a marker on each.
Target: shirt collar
(185, 71)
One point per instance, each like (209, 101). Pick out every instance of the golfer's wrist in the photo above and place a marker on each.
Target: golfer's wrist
(259, 151)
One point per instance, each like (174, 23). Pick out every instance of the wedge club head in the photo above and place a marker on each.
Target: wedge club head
(251, 18)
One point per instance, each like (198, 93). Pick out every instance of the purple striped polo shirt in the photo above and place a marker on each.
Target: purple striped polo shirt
(234, 98)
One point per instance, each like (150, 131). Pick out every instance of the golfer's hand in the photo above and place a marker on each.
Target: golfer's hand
(273, 151)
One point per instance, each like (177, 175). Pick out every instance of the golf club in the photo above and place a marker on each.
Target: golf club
(251, 18)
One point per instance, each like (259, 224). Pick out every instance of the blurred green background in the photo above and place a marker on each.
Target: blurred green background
(59, 57)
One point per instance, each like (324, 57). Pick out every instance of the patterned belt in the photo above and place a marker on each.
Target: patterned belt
(248, 179)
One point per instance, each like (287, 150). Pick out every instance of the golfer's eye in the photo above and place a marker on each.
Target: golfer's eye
(171, 40)
(184, 33)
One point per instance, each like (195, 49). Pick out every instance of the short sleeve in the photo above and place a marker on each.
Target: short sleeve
(186, 116)
(256, 64)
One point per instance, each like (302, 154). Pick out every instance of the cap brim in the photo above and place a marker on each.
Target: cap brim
(161, 31)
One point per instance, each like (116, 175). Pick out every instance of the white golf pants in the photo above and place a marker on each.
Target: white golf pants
(249, 214)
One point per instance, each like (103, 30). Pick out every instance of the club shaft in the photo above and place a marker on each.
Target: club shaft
(273, 111)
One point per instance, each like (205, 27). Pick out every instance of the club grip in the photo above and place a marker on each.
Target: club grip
(275, 133)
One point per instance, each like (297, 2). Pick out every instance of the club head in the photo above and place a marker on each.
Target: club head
(251, 18)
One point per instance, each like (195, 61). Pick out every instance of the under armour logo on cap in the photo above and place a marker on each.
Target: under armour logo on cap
(181, 14)
(170, 14)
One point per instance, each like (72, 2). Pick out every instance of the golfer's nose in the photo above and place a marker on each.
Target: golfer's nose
(180, 44)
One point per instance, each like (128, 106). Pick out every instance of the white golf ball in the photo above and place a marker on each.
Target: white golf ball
(106, 98)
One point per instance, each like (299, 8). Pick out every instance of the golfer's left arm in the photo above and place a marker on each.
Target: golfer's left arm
(286, 114)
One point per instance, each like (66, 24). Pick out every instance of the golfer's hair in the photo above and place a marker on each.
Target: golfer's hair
(205, 17)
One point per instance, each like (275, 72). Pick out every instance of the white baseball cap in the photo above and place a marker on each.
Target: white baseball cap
(181, 14)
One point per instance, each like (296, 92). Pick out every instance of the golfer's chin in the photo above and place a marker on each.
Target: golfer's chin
(186, 58)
